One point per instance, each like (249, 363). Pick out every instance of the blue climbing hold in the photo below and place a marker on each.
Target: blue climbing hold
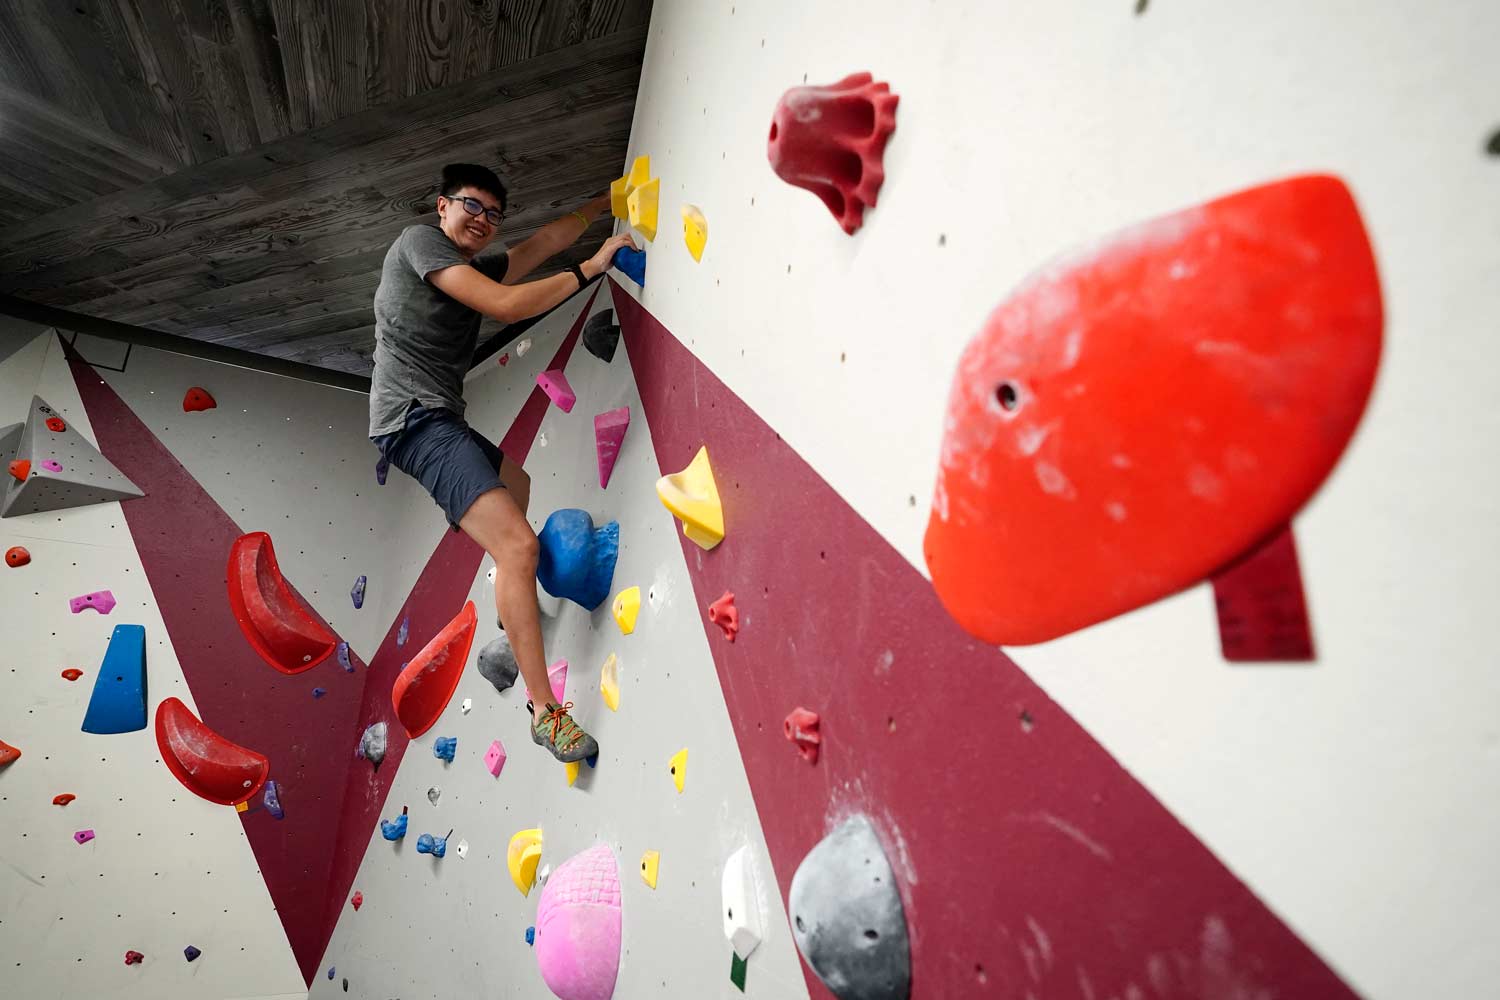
(436, 846)
(118, 704)
(191, 953)
(592, 760)
(319, 692)
(633, 263)
(357, 593)
(394, 830)
(271, 799)
(531, 935)
(382, 466)
(330, 972)
(402, 632)
(445, 747)
(577, 560)
(344, 658)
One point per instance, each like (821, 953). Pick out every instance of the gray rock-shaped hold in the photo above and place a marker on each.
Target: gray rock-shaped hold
(601, 335)
(373, 743)
(497, 663)
(847, 917)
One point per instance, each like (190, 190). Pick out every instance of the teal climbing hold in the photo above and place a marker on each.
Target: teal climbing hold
(118, 704)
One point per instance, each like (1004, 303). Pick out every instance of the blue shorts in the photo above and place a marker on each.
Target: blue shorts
(452, 461)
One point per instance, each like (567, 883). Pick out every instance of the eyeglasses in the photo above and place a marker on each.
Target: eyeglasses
(474, 207)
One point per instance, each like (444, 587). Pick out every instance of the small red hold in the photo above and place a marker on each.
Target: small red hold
(20, 469)
(63, 799)
(504, 359)
(72, 674)
(197, 399)
(16, 556)
(357, 900)
(724, 614)
(831, 141)
(801, 727)
(134, 958)
(56, 424)
(8, 754)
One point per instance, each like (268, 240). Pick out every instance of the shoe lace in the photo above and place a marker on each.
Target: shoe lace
(562, 725)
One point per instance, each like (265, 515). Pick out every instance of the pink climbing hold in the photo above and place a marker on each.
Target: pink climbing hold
(557, 676)
(51, 465)
(101, 601)
(134, 958)
(494, 758)
(801, 727)
(609, 434)
(578, 927)
(555, 384)
(84, 836)
(724, 614)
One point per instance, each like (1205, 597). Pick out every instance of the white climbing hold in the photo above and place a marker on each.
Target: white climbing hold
(467, 706)
(543, 875)
(463, 848)
(433, 794)
(522, 346)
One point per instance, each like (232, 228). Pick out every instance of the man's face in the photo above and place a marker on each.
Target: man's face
(470, 233)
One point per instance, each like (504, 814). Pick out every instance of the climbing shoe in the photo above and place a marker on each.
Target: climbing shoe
(556, 730)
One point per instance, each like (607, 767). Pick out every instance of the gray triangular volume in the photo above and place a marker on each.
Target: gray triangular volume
(10, 440)
(66, 470)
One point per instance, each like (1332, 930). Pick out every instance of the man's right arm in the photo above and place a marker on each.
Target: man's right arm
(513, 303)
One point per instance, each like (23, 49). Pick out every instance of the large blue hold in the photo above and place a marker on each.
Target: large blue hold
(428, 844)
(633, 263)
(118, 704)
(445, 747)
(577, 560)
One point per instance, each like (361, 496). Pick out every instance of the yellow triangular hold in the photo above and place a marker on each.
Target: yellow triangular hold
(649, 863)
(572, 769)
(609, 682)
(521, 858)
(627, 606)
(643, 202)
(240, 807)
(694, 230)
(693, 496)
(619, 190)
(678, 764)
(640, 173)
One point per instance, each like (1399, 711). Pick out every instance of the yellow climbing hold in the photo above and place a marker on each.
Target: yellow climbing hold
(619, 190)
(649, 863)
(640, 173)
(694, 230)
(643, 202)
(679, 768)
(609, 682)
(572, 768)
(521, 858)
(693, 496)
(627, 606)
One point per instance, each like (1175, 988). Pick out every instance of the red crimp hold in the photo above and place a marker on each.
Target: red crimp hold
(504, 359)
(197, 399)
(20, 469)
(134, 958)
(63, 799)
(831, 141)
(56, 424)
(357, 900)
(801, 727)
(8, 754)
(17, 556)
(72, 674)
(724, 614)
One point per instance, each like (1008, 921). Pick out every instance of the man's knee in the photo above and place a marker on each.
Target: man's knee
(517, 550)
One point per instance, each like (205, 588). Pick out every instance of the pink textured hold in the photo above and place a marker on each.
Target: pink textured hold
(51, 465)
(557, 676)
(83, 836)
(609, 434)
(555, 384)
(578, 927)
(494, 758)
(101, 601)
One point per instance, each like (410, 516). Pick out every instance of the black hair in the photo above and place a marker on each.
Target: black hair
(462, 175)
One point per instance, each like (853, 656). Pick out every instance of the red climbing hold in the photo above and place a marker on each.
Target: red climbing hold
(724, 614)
(504, 359)
(801, 727)
(283, 632)
(423, 688)
(831, 141)
(1135, 417)
(63, 799)
(20, 469)
(8, 754)
(16, 556)
(357, 900)
(72, 674)
(197, 399)
(207, 764)
(56, 424)
(134, 958)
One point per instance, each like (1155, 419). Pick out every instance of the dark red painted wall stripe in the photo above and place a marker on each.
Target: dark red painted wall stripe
(1037, 865)
(1261, 606)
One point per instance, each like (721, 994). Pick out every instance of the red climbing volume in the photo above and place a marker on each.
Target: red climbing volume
(207, 764)
(423, 689)
(282, 631)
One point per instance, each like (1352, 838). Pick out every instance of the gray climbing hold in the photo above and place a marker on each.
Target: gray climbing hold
(601, 335)
(66, 470)
(372, 743)
(497, 663)
(847, 917)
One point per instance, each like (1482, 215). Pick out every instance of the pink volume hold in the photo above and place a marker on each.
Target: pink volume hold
(609, 434)
(555, 384)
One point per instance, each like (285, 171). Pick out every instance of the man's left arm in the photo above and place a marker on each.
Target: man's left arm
(551, 239)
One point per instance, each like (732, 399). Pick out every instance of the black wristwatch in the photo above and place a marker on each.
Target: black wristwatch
(577, 272)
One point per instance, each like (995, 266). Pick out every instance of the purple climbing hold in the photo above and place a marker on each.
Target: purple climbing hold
(404, 631)
(51, 465)
(381, 468)
(330, 973)
(319, 692)
(344, 658)
(191, 953)
(357, 593)
(271, 799)
(84, 836)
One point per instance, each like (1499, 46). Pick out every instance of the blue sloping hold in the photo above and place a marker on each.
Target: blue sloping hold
(118, 704)
(633, 263)
(577, 560)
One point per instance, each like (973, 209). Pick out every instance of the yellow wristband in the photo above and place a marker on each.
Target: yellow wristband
(581, 218)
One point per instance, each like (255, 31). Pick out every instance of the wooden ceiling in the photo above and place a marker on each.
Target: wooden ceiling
(233, 171)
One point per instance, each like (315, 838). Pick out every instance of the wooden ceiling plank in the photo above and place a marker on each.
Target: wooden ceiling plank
(261, 58)
(165, 29)
(293, 64)
(157, 80)
(522, 19)
(212, 38)
(387, 35)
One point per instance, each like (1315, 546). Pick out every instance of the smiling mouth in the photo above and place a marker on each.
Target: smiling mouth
(478, 233)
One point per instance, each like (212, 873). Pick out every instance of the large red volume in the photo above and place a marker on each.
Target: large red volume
(1136, 416)
(282, 631)
(423, 688)
(207, 764)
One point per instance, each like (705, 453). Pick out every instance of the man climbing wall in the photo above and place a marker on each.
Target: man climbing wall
(434, 290)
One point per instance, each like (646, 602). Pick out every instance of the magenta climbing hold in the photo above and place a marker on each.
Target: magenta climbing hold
(51, 465)
(578, 927)
(801, 727)
(555, 384)
(609, 434)
(101, 601)
(276, 624)
(83, 836)
(134, 958)
(494, 758)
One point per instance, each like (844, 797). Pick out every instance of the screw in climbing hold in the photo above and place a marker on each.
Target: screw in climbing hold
(16, 556)
(394, 830)
(357, 593)
(357, 900)
(134, 958)
(724, 614)
(343, 653)
(801, 727)
(445, 747)
(63, 799)
(318, 692)
(402, 633)
(83, 836)
(72, 674)
(56, 425)
(191, 953)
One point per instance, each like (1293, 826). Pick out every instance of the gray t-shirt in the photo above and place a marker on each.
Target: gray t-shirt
(424, 339)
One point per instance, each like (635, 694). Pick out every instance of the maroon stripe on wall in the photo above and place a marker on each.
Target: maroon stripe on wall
(1031, 862)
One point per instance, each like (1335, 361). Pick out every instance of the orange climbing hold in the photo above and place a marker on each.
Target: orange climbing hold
(207, 764)
(56, 424)
(16, 556)
(8, 754)
(63, 799)
(72, 674)
(283, 632)
(423, 689)
(197, 399)
(724, 614)
(20, 469)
